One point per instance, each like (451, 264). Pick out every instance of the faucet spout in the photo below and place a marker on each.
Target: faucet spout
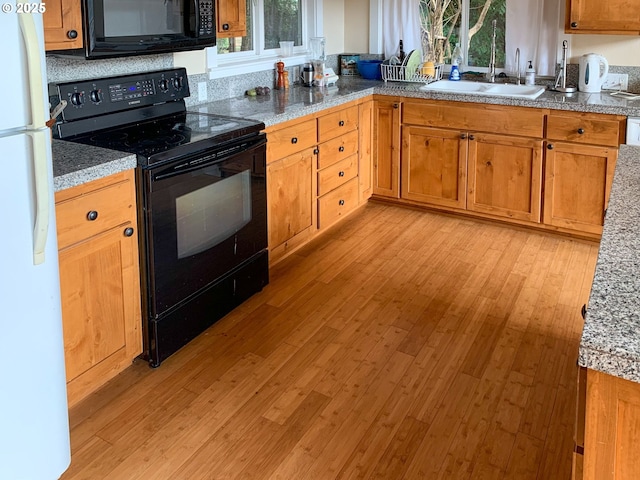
(492, 59)
(517, 66)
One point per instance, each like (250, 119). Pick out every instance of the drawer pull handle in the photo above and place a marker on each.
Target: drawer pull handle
(341, 149)
(396, 105)
(341, 202)
(471, 137)
(463, 136)
(72, 34)
(92, 215)
(316, 151)
(341, 174)
(294, 140)
(128, 232)
(581, 131)
(550, 146)
(583, 311)
(341, 123)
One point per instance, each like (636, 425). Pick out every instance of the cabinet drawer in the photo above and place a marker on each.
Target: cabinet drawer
(337, 123)
(527, 122)
(337, 174)
(337, 149)
(584, 129)
(111, 206)
(337, 203)
(288, 140)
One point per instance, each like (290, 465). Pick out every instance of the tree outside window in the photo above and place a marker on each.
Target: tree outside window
(468, 22)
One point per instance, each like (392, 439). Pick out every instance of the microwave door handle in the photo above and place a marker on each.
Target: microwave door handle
(196, 14)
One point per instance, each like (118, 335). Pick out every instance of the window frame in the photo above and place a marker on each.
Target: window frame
(259, 59)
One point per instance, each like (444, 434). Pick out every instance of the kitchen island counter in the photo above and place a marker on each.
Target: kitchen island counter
(611, 336)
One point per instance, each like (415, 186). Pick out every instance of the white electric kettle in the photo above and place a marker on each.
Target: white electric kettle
(591, 75)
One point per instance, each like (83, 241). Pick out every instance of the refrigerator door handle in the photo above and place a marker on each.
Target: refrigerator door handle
(34, 65)
(41, 174)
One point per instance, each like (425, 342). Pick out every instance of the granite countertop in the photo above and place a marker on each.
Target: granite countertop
(75, 164)
(611, 336)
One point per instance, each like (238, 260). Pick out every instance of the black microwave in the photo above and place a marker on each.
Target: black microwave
(114, 28)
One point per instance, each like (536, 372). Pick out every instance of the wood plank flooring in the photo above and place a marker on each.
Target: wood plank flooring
(400, 345)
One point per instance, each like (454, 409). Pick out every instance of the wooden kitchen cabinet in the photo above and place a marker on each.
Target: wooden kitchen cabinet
(291, 199)
(434, 166)
(611, 428)
(231, 18)
(581, 154)
(460, 167)
(505, 176)
(596, 16)
(386, 147)
(365, 150)
(62, 25)
(99, 281)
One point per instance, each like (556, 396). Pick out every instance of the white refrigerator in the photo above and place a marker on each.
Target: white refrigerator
(34, 425)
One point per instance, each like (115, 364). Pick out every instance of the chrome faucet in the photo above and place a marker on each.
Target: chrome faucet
(517, 66)
(492, 59)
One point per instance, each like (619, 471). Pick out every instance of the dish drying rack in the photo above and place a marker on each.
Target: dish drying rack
(399, 73)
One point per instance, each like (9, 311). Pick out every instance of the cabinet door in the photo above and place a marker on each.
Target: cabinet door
(100, 291)
(387, 148)
(505, 176)
(231, 18)
(365, 151)
(434, 166)
(577, 184)
(291, 187)
(62, 25)
(597, 16)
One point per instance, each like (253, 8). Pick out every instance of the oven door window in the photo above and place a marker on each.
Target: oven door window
(211, 214)
(202, 224)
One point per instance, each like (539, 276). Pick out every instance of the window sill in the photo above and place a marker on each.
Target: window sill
(252, 65)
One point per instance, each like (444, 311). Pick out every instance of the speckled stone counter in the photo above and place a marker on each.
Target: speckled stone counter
(74, 163)
(611, 336)
(298, 101)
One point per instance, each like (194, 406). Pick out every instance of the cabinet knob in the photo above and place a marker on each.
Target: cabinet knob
(225, 26)
(341, 174)
(581, 131)
(583, 311)
(550, 146)
(71, 34)
(341, 123)
(92, 215)
(316, 151)
(294, 140)
(128, 232)
(574, 24)
(471, 137)
(463, 136)
(341, 148)
(341, 202)
(396, 105)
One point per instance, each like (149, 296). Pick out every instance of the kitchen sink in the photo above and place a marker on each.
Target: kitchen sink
(481, 88)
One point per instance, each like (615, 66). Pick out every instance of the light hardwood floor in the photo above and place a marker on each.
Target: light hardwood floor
(400, 345)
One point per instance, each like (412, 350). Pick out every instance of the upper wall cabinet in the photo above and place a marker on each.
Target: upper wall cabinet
(62, 25)
(231, 18)
(620, 17)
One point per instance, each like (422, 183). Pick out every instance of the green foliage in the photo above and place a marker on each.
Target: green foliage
(282, 21)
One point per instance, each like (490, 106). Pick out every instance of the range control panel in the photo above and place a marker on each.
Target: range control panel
(91, 98)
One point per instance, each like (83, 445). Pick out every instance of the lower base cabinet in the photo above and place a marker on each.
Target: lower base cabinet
(99, 281)
(611, 429)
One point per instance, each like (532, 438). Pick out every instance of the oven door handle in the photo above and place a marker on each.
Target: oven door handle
(187, 166)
